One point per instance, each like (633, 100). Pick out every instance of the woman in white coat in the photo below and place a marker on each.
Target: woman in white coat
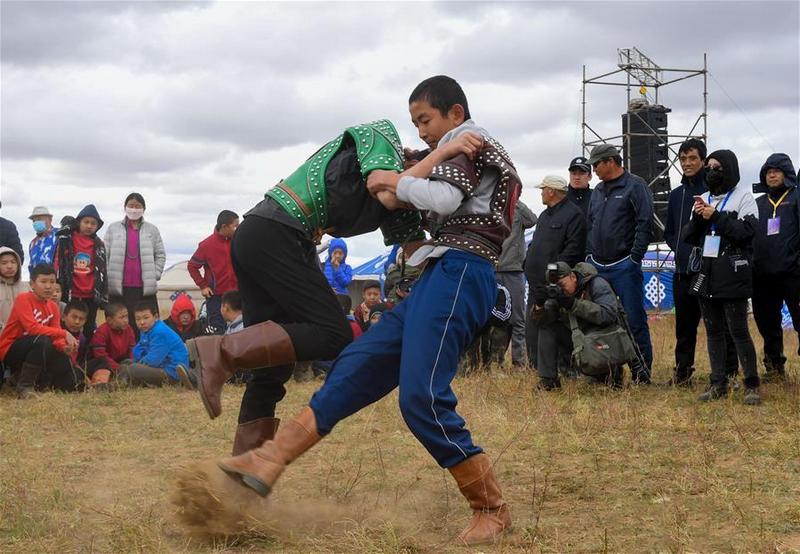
(136, 258)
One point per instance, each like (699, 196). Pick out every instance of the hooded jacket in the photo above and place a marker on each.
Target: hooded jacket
(152, 256)
(65, 254)
(730, 274)
(161, 347)
(778, 254)
(595, 301)
(339, 278)
(679, 212)
(184, 304)
(31, 315)
(10, 289)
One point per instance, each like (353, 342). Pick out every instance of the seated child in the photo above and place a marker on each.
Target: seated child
(75, 315)
(183, 318)
(33, 345)
(111, 344)
(231, 311)
(370, 295)
(160, 357)
(11, 284)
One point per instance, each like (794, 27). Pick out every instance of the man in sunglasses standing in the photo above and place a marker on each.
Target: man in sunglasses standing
(619, 222)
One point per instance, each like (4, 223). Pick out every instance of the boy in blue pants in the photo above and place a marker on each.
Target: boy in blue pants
(470, 200)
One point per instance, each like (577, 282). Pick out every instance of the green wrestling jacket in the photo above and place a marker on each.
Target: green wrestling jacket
(328, 193)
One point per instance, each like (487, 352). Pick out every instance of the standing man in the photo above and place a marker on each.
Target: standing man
(776, 246)
(42, 248)
(213, 256)
(620, 229)
(579, 193)
(692, 155)
(10, 237)
(560, 237)
(509, 274)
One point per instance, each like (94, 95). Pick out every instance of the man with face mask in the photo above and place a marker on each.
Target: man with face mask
(776, 264)
(136, 258)
(42, 248)
(691, 154)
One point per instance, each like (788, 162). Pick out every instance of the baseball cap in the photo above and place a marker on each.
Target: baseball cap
(580, 163)
(601, 152)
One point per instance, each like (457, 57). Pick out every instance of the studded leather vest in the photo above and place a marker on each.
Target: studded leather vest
(491, 189)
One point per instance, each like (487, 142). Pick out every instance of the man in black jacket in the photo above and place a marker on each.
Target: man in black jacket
(620, 229)
(10, 237)
(580, 173)
(776, 263)
(560, 237)
(692, 154)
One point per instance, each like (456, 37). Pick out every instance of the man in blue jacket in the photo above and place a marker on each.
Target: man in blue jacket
(620, 229)
(776, 263)
(692, 155)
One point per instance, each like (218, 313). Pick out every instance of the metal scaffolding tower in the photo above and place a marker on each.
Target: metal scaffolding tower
(636, 69)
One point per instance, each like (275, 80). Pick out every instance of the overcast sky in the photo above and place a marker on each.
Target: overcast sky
(204, 106)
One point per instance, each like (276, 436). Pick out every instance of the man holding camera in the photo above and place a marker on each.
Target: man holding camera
(579, 292)
(560, 237)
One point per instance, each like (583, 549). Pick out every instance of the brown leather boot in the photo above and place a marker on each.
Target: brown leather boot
(216, 358)
(254, 433)
(261, 467)
(491, 516)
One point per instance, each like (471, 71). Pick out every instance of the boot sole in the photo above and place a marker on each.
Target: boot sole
(194, 359)
(259, 487)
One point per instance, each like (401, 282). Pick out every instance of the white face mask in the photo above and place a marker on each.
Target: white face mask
(134, 214)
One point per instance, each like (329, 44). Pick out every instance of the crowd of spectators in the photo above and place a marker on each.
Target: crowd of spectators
(582, 268)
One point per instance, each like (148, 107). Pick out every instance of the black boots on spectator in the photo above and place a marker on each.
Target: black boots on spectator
(215, 359)
(774, 371)
(253, 434)
(25, 380)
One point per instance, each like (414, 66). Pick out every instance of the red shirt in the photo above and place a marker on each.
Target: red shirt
(33, 316)
(82, 268)
(213, 255)
(112, 344)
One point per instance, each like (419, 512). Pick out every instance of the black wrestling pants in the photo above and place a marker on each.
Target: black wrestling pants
(280, 280)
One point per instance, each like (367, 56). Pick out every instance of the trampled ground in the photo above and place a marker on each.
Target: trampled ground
(585, 470)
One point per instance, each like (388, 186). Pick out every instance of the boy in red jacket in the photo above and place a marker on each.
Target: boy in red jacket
(112, 343)
(33, 344)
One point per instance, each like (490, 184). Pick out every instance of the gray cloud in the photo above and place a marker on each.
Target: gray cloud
(203, 106)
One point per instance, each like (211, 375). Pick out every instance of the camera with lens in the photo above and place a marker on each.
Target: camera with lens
(553, 290)
(405, 284)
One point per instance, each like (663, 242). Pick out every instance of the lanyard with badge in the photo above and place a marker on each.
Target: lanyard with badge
(774, 223)
(712, 242)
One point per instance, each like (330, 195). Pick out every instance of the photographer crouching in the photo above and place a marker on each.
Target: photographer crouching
(579, 311)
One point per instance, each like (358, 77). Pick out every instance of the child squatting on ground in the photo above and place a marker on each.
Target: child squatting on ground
(159, 358)
(469, 187)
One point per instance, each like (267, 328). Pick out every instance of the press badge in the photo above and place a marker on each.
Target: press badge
(711, 247)
(773, 226)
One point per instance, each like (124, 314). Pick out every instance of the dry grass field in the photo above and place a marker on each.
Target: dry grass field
(585, 470)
